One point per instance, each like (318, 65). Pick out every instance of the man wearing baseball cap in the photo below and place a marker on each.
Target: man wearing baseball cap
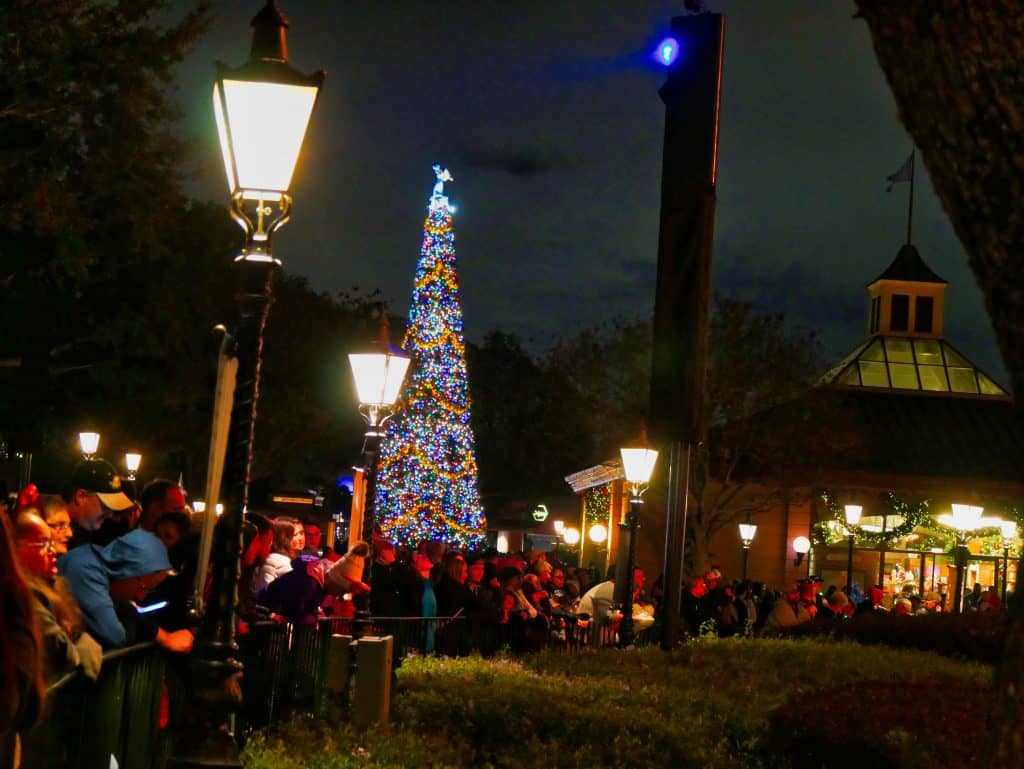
(93, 494)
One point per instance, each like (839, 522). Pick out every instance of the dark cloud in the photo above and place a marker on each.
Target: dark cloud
(525, 163)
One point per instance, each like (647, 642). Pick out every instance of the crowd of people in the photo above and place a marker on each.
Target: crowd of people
(94, 568)
(713, 604)
(518, 602)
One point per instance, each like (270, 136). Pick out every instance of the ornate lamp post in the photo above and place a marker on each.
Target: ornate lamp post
(964, 518)
(262, 109)
(378, 374)
(89, 443)
(748, 531)
(1009, 532)
(637, 464)
(853, 514)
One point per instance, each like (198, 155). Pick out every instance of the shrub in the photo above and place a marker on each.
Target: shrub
(884, 723)
(706, 704)
(974, 636)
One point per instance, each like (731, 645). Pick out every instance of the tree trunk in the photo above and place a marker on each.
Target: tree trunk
(956, 69)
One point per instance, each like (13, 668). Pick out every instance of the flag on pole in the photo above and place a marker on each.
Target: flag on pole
(904, 174)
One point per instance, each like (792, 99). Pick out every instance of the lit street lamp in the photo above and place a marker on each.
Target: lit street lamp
(598, 533)
(131, 464)
(89, 443)
(571, 536)
(378, 374)
(747, 533)
(262, 110)
(637, 465)
(964, 518)
(1009, 532)
(853, 514)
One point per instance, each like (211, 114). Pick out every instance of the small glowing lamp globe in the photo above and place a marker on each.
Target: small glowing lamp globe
(667, 51)
(801, 545)
(598, 533)
(571, 536)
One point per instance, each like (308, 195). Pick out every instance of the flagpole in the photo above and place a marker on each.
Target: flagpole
(910, 205)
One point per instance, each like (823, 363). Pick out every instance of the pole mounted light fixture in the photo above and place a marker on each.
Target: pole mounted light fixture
(263, 109)
(132, 462)
(637, 466)
(89, 443)
(748, 531)
(964, 518)
(379, 374)
(852, 514)
(571, 535)
(1009, 531)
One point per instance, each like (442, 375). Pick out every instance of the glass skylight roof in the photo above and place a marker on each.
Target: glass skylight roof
(898, 363)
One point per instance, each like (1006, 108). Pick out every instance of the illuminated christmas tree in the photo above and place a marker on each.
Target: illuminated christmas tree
(426, 476)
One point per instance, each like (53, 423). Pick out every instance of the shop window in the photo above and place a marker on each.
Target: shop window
(899, 317)
(924, 306)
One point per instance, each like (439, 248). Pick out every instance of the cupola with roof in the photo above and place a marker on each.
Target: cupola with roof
(905, 349)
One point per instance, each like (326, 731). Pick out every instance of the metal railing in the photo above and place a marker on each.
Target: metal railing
(121, 719)
(114, 721)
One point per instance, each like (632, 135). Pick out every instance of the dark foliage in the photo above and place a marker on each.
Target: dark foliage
(883, 723)
(973, 636)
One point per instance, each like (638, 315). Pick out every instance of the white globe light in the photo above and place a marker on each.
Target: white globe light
(598, 533)
(572, 536)
(802, 545)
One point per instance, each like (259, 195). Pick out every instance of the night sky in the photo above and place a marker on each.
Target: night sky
(547, 114)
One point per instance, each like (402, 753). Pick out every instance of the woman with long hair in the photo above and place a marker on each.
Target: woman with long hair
(286, 545)
(21, 675)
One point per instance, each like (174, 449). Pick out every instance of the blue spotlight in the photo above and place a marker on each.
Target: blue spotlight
(667, 52)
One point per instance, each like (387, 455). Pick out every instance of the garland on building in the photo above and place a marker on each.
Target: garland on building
(913, 514)
(597, 505)
(427, 476)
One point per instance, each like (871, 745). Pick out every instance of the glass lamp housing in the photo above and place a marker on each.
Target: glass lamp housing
(89, 443)
(638, 464)
(378, 376)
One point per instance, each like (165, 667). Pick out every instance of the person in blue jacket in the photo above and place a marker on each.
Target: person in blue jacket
(111, 582)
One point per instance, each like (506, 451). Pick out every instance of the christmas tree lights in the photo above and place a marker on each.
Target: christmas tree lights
(427, 475)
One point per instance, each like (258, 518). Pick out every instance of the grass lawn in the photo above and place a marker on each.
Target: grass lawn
(708, 704)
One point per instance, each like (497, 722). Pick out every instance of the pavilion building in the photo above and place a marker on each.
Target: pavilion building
(930, 430)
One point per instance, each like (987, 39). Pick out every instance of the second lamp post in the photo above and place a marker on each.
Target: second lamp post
(378, 374)
(853, 514)
(748, 531)
(637, 464)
